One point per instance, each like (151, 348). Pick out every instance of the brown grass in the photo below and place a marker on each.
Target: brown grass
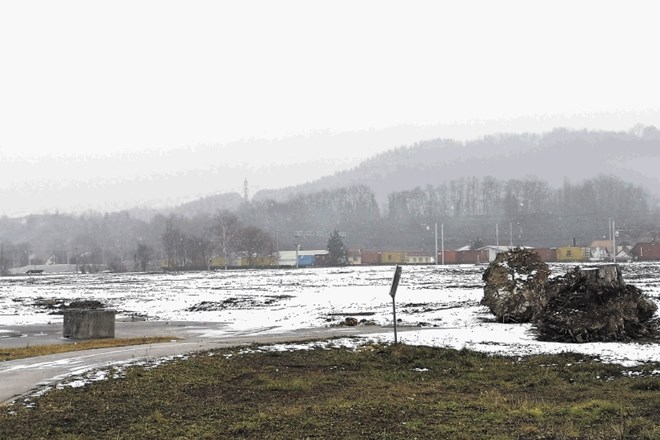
(8, 354)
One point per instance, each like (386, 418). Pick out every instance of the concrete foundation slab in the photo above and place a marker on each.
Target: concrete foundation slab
(89, 323)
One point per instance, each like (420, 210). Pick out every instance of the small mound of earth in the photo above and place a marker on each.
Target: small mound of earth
(85, 304)
(58, 305)
(237, 302)
(351, 321)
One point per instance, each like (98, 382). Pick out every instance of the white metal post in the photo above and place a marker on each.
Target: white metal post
(614, 241)
(436, 244)
(442, 235)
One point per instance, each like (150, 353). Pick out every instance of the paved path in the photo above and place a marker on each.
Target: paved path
(24, 376)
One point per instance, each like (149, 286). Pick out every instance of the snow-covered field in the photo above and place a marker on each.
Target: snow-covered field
(443, 301)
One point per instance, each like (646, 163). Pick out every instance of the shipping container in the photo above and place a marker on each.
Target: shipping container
(264, 261)
(370, 257)
(476, 256)
(451, 257)
(306, 260)
(418, 258)
(573, 253)
(646, 252)
(547, 254)
(392, 257)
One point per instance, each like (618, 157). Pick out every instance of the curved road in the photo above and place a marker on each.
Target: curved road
(22, 377)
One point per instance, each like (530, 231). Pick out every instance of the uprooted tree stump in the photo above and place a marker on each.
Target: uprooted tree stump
(592, 304)
(595, 305)
(514, 285)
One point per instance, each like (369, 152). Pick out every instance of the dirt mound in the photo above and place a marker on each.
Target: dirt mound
(238, 302)
(58, 305)
(85, 304)
(595, 305)
(514, 285)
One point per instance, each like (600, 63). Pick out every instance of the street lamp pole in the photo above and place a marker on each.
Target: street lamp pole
(436, 244)
(613, 242)
(442, 238)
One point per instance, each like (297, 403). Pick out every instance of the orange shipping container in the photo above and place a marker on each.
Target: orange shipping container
(370, 257)
(451, 257)
(547, 254)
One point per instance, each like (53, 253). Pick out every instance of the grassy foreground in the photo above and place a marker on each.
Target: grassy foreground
(378, 392)
(8, 354)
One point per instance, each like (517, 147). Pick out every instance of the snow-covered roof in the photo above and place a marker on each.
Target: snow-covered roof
(292, 254)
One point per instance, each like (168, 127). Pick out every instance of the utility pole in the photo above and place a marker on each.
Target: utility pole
(442, 238)
(497, 236)
(436, 244)
(613, 242)
(511, 235)
(609, 231)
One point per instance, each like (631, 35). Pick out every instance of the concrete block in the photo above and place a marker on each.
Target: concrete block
(89, 323)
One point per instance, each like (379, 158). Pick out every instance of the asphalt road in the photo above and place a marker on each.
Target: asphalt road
(23, 377)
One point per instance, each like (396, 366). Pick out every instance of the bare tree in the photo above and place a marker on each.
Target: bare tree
(227, 231)
(197, 252)
(172, 244)
(143, 255)
(255, 243)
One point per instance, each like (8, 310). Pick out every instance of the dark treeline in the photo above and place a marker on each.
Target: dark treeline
(526, 211)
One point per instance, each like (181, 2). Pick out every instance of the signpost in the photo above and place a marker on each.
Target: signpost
(395, 285)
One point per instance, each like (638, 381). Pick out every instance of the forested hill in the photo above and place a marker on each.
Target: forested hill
(546, 190)
(555, 157)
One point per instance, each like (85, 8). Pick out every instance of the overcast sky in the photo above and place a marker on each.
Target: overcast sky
(81, 79)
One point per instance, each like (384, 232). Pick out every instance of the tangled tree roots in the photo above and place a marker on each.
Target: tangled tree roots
(585, 305)
(595, 305)
(514, 285)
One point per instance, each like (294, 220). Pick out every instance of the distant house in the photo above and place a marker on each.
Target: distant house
(623, 255)
(599, 254)
(601, 250)
(599, 246)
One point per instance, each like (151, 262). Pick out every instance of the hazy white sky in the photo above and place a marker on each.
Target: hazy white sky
(89, 78)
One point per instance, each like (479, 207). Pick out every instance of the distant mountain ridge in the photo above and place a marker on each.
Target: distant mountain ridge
(555, 157)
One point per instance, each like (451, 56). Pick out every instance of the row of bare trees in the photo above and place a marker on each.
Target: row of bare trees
(225, 235)
(469, 197)
(528, 211)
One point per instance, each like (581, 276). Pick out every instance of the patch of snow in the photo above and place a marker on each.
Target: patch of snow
(445, 300)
